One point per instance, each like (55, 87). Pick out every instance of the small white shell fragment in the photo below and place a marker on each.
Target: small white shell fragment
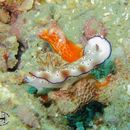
(92, 2)
(5, 94)
(128, 89)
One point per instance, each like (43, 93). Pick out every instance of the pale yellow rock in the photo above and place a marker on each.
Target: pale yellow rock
(4, 16)
(2, 0)
(26, 5)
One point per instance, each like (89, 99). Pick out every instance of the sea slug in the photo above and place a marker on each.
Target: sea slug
(96, 51)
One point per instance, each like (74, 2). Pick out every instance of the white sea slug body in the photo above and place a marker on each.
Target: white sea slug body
(96, 51)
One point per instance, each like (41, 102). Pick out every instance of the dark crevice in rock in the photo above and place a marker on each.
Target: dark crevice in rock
(21, 49)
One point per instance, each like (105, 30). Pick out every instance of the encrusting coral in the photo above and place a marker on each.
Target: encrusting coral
(8, 52)
(4, 16)
(27, 116)
(14, 8)
(80, 93)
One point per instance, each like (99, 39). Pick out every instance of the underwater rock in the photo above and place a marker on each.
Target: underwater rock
(8, 49)
(28, 24)
(26, 5)
(83, 117)
(79, 94)
(4, 29)
(4, 16)
(27, 116)
(5, 98)
(71, 16)
(116, 114)
(12, 8)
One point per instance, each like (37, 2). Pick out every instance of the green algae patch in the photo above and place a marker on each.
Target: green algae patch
(108, 67)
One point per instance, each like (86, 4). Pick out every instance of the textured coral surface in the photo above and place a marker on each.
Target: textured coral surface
(22, 51)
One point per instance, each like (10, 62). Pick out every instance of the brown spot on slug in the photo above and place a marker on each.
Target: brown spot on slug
(45, 75)
(82, 68)
(65, 73)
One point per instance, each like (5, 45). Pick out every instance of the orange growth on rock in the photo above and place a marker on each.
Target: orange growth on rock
(104, 83)
(64, 47)
(5, 56)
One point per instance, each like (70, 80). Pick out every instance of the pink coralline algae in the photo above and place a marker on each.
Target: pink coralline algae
(92, 28)
(12, 8)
